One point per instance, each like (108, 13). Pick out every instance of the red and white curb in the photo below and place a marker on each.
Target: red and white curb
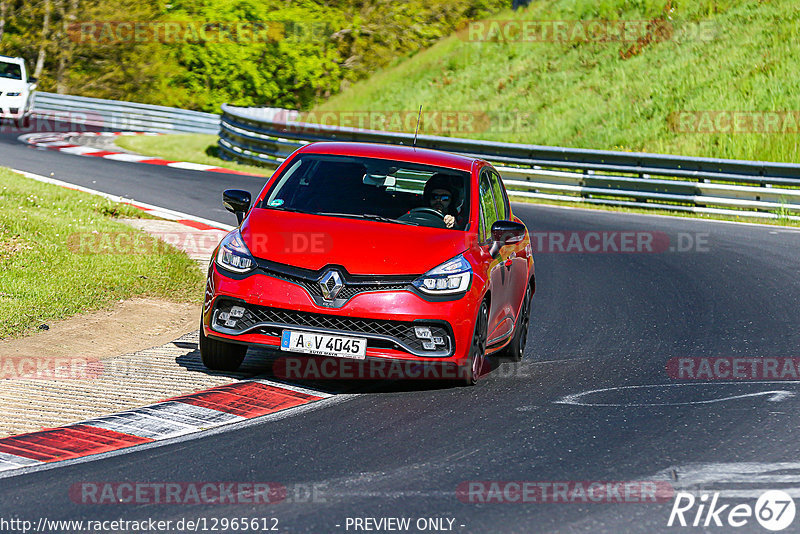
(179, 416)
(60, 142)
(167, 420)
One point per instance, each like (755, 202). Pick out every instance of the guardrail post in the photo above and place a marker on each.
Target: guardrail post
(586, 172)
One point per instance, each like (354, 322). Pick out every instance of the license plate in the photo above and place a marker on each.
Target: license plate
(324, 345)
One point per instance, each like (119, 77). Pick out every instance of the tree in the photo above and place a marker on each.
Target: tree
(256, 52)
(3, 7)
(37, 71)
(68, 10)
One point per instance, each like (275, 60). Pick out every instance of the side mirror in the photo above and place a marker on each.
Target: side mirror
(506, 233)
(236, 201)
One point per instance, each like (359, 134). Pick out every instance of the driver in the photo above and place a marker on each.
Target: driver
(439, 194)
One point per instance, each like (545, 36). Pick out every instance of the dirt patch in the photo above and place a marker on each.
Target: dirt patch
(129, 326)
(138, 352)
(135, 353)
(12, 245)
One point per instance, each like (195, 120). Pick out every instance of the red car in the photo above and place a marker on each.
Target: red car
(366, 251)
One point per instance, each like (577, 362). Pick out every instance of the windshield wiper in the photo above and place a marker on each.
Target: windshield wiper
(368, 216)
(285, 208)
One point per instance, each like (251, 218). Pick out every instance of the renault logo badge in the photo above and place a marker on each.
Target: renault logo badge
(330, 284)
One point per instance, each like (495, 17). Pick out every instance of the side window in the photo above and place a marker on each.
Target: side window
(483, 234)
(500, 198)
(488, 206)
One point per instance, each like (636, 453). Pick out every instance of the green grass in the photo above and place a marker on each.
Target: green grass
(584, 94)
(44, 272)
(195, 148)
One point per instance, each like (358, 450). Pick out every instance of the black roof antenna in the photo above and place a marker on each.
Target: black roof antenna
(417, 130)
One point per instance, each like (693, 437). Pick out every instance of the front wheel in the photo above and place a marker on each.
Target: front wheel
(477, 351)
(220, 355)
(516, 348)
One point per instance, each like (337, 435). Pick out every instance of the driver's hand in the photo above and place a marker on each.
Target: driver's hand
(449, 221)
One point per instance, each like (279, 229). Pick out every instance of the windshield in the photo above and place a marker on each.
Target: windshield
(377, 189)
(10, 70)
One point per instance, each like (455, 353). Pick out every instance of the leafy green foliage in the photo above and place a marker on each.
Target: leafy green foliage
(309, 50)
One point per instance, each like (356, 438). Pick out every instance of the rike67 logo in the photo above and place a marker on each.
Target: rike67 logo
(774, 510)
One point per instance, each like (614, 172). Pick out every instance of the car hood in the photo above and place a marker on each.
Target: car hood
(7, 85)
(360, 246)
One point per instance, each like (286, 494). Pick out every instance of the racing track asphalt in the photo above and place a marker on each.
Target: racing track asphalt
(603, 320)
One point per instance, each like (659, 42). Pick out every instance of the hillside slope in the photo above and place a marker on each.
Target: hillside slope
(702, 55)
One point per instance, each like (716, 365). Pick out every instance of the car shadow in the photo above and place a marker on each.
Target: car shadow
(263, 363)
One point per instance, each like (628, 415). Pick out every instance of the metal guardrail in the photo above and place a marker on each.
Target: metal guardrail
(633, 179)
(123, 116)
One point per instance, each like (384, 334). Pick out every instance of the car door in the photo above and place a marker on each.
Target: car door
(515, 256)
(500, 319)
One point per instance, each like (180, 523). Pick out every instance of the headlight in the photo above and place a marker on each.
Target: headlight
(233, 254)
(13, 94)
(453, 276)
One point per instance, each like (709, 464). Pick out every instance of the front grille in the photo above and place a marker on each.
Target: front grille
(381, 334)
(353, 285)
(349, 292)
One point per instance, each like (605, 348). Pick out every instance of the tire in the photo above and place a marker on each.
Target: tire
(516, 348)
(219, 355)
(477, 352)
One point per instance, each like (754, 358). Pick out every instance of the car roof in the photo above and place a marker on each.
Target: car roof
(397, 152)
(9, 59)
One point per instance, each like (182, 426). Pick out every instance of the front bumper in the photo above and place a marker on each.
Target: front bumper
(12, 108)
(386, 318)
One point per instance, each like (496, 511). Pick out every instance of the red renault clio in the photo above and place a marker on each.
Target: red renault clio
(366, 251)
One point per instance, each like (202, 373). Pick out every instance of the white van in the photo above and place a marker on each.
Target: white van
(16, 89)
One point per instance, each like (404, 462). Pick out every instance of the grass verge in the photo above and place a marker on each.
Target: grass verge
(45, 272)
(194, 148)
(723, 55)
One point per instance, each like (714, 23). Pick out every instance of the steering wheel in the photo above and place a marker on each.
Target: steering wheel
(425, 216)
(428, 211)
